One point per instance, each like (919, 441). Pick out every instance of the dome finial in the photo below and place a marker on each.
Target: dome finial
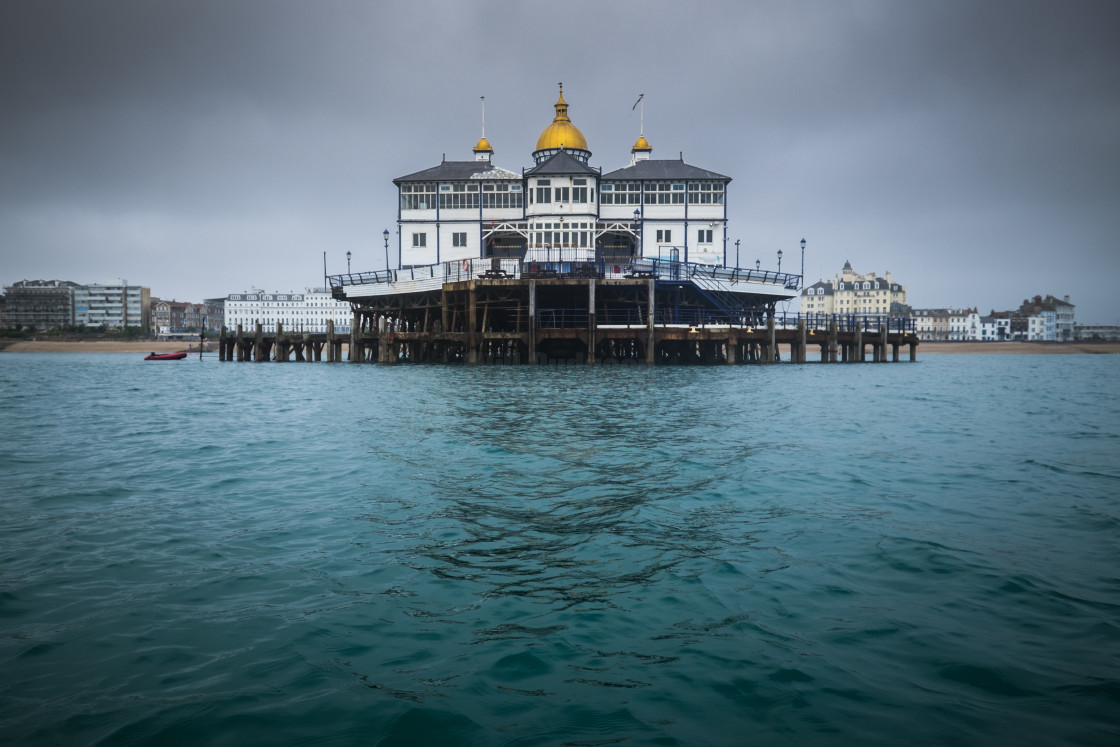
(562, 134)
(482, 149)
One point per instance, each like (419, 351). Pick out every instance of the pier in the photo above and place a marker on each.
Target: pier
(566, 313)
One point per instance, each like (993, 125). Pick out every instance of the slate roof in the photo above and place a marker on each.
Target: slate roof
(827, 285)
(561, 162)
(653, 170)
(458, 171)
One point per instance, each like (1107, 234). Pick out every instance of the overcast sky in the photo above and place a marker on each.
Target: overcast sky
(203, 147)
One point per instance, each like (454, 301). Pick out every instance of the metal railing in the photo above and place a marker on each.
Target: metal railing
(568, 262)
(756, 319)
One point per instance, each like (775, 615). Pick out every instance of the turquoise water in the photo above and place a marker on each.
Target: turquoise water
(207, 553)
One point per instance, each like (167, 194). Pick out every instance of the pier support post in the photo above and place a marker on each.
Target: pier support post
(884, 324)
(445, 326)
(472, 323)
(591, 321)
(801, 342)
(833, 334)
(857, 356)
(383, 330)
(532, 322)
(355, 353)
(772, 340)
(651, 336)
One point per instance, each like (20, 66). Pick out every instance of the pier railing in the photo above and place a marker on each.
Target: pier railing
(566, 262)
(570, 318)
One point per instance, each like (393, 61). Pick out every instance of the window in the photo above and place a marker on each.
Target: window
(704, 236)
(705, 193)
(664, 193)
(458, 197)
(579, 194)
(664, 236)
(562, 194)
(419, 239)
(418, 196)
(459, 239)
(621, 193)
(544, 191)
(502, 196)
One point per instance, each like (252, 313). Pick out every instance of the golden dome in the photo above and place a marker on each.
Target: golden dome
(561, 133)
(483, 146)
(642, 144)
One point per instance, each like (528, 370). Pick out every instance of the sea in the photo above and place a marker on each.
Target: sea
(215, 553)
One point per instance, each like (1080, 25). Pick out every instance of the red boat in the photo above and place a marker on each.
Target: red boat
(166, 356)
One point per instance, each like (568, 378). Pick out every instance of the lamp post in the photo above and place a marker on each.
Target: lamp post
(637, 234)
(385, 233)
(779, 260)
(347, 262)
(736, 253)
(802, 263)
(757, 264)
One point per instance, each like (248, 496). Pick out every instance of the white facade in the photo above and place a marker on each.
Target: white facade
(297, 312)
(465, 210)
(964, 324)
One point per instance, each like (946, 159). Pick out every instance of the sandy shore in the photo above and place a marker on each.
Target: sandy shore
(925, 348)
(1037, 348)
(103, 346)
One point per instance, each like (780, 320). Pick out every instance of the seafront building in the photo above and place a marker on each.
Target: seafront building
(1036, 320)
(39, 304)
(852, 293)
(309, 311)
(112, 306)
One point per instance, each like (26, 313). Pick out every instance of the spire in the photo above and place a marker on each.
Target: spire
(482, 150)
(642, 148)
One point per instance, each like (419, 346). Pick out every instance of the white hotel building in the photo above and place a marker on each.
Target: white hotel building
(298, 312)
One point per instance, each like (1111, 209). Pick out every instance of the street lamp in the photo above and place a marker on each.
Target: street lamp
(758, 264)
(385, 233)
(637, 234)
(802, 263)
(348, 262)
(736, 253)
(779, 260)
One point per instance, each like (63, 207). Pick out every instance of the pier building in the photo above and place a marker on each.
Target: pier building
(559, 262)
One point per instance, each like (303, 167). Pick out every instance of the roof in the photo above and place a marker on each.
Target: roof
(827, 285)
(561, 162)
(561, 133)
(652, 170)
(458, 171)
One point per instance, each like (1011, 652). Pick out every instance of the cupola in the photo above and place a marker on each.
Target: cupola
(561, 135)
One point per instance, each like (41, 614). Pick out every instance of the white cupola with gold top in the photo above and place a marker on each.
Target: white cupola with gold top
(561, 135)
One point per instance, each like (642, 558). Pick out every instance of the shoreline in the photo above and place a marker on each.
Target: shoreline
(925, 348)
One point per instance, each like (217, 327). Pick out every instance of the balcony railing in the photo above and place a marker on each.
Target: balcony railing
(567, 262)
